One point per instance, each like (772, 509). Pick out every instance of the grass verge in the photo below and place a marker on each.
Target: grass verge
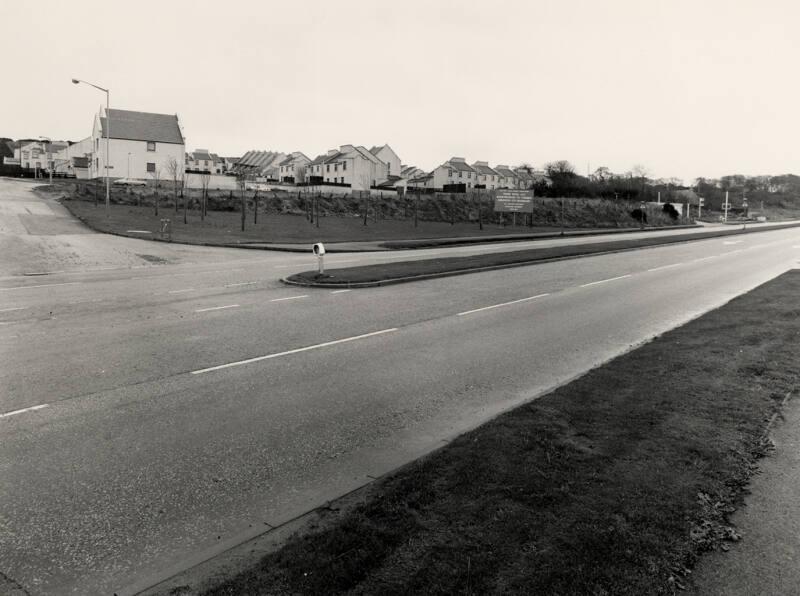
(612, 484)
(224, 227)
(403, 271)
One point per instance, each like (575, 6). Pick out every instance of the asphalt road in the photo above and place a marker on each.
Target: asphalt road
(159, 403)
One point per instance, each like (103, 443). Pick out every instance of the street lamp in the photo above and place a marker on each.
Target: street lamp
(108, 132)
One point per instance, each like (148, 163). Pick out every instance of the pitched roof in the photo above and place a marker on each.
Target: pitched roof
(198, 155)
(318, 160)
(143, 126)
(483, 168)
(458, 165)
(506, 171)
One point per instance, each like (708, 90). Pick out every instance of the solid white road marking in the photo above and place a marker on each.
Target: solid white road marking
(733, 242)
(243, 283)
(289, 298)
(138, 232)
(295, 351)
(469, 312)
(705, 258)
(665, 267)
(340, 291)
(216, 308)
(23, 410)
(69, 283)
(602, 281)
(181, 291)
(15, 308)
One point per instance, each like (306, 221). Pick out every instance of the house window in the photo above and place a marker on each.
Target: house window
(336, 167)
(97, 163)
(344, 167)
(151, 167)
(151, 145)
(469, 175)
(328, 167)
(450, 173)
(461, 174)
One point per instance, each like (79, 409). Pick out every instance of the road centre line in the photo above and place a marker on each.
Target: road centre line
(295, 351)
(68, 283)
(15, 308)
(340, 291)
(733, 242)
(705, 258)
(181, 291)
(243, 283)
(469, 312)
(23, 410)
(602, 281)
(217, 308)
(289, 298)
(665, 267)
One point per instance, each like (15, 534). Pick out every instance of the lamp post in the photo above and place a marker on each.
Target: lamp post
(108, 133)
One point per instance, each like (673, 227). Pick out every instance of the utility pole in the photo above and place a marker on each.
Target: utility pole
(726, 205)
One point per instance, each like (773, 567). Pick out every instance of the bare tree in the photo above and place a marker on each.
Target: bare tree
(173, 171)
(241, 181)
(156, 176)
(205, 180)
(184, 184)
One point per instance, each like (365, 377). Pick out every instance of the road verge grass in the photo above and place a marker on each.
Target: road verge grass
(406, 271)
(612, 484)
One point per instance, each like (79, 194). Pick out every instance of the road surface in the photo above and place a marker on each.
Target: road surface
(161, 403)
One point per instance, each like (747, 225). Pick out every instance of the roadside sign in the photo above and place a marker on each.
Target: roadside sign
(514, 201)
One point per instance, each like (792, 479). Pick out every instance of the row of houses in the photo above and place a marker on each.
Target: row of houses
(359, 168)
(145, 145)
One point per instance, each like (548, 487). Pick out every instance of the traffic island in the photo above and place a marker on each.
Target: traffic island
(615, 483)
(415, 270)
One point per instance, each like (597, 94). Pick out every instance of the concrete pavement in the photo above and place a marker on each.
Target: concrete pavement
(186, 406)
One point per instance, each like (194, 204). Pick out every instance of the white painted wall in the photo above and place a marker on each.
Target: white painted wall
(139, 156)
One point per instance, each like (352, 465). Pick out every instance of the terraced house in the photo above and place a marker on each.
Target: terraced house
(488, 177)
(292, 170)
(456, 170)
(508, 179)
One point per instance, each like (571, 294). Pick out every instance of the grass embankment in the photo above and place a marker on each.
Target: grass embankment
(342, 217)
(612, 484)
(224, 227)
(396, 272)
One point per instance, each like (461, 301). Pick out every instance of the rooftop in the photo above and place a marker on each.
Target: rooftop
(143, 126)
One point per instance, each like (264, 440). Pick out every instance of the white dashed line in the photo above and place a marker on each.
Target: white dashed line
(295, 351)
(705, 258)
(243, 283)
(665, 267)
(340, 291)
(469, 312)
(181, 291)
(217, 308)
(69, 283)
(23, 410)
(733, 242)
(602, 281)
(15, 308)
(289, 298)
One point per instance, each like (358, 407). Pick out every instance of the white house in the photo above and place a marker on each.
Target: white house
(509, 178)
(353, 166)
(73, 160)
(293, 168)
(142, 145)
(488, 177)
(202, 160)
(456, 170)
(39, 155)
(393, 166)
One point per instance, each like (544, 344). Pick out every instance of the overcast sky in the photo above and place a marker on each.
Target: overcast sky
(686, 88)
